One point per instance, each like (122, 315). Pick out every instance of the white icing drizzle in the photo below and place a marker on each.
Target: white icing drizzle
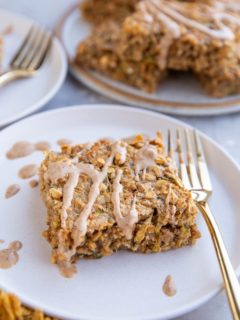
(153, 8)
(68, 191)
(227, 5)
(126, 223)
(164, 49)
(233, 6)
(160, 14)
(223, 32)
(59, 170)
(227, 17)
(121, 149)
(97, 179)
(170, 14)
(145, 158)
(147, 17)
(157, 15)
(168, 38)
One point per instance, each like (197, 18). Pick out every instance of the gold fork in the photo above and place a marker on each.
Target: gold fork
(29, 57)
(197, 180)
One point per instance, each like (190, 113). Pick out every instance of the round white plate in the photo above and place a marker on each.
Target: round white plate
(25, 96)
(181, 94)
(126, 285)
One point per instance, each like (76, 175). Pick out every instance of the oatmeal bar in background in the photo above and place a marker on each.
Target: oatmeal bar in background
(164, 35)
(122, 57)
(110, 196)
(99, 11)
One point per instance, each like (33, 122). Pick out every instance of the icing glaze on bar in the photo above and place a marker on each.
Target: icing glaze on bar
(60, 170)
(171, 16)
(127, 222)
(223, 33)
(145, 158)
(70, 171)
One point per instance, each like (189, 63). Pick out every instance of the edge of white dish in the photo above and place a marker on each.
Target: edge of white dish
(178, 312)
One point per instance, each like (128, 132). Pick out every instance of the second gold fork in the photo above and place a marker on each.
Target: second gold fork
(29, 57)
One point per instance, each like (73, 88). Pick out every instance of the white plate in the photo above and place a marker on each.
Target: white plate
(126, 285)
(181, 94)
(25, 96)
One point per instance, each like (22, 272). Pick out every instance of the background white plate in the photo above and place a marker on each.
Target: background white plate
(126, 285)
(181, 94)
(22, 97)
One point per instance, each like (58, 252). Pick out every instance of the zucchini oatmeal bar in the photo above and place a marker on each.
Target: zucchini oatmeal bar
(161, 36)
(108, 196)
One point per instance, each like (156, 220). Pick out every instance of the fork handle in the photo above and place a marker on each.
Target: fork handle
(11, 75)
(230, 279)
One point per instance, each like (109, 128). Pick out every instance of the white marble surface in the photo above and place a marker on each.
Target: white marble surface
(224, 129)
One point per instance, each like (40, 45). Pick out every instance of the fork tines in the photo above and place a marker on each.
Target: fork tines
(192, 177)
(33, 49)
(182, 166)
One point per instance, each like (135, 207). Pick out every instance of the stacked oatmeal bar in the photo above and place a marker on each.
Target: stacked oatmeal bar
(155, 37)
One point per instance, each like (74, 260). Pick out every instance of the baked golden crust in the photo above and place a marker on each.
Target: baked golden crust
(201, 37)
(165, 210)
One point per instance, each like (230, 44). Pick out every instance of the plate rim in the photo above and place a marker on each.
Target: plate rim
(179, 311)
(57, 85)
(119, 94)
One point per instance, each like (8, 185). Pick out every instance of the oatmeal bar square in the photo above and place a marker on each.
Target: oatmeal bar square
(110, 196)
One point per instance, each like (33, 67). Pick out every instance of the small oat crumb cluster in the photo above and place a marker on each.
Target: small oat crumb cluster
(108, 196)
(140, 42)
